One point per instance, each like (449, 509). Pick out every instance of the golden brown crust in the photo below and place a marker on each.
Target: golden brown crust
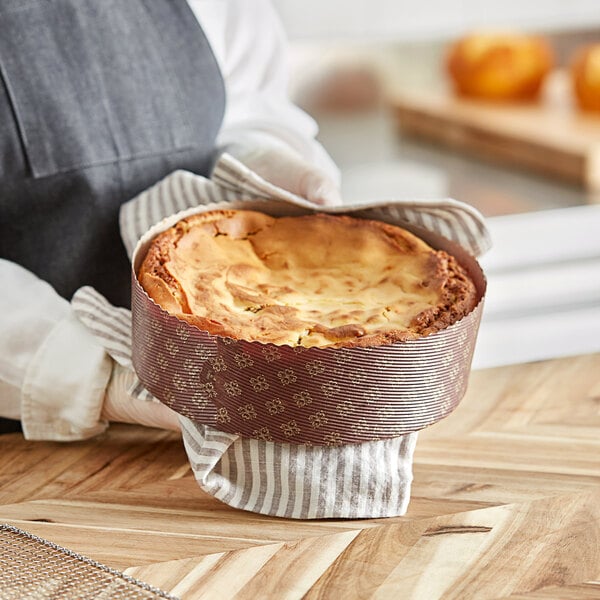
(315, 280)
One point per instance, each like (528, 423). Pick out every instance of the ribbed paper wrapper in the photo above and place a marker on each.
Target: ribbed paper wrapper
(315, 396)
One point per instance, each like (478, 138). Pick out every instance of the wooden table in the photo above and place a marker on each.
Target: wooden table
(505, 504)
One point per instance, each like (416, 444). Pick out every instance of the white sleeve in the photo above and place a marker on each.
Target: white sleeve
(250, 45)
(53, 374)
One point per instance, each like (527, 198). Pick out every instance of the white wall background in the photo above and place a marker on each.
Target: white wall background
(401, 20)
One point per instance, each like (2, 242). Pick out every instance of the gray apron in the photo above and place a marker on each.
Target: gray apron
(99, 99)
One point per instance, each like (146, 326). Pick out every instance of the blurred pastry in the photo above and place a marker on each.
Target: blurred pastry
(314, 280)
(499, 66)
(585, 74)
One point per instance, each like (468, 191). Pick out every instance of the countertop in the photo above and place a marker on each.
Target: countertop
(505, 504)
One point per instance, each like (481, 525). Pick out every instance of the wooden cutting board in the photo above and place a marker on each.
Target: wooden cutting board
(549, 136)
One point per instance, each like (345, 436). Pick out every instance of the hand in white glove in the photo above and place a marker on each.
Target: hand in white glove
(285, 168)
(125, 400)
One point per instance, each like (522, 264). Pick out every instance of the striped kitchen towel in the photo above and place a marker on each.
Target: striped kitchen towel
(366, 480)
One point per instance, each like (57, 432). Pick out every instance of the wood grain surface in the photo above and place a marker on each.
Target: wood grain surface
(549, 136)
(505, 504)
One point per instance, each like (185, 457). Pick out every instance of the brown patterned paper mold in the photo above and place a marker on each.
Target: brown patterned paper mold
(316, 396)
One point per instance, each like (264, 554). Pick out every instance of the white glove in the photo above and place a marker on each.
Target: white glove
(285, 168)
(125, 400)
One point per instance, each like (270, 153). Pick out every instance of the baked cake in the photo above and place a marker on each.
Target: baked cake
(315, 280)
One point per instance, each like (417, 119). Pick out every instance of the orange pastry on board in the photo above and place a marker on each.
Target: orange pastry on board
(585, 74)
(499, 66)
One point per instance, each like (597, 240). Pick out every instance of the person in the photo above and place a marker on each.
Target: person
(98, 101)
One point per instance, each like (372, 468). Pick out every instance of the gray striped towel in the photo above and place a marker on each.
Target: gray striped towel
(111, 326)
(365, 480)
